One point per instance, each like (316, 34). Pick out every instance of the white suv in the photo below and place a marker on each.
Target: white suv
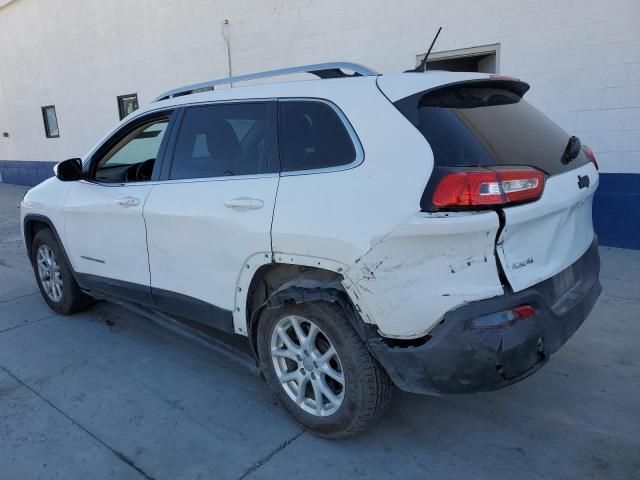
(428, 230)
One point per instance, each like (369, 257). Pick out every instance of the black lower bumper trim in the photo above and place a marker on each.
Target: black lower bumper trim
(460, 359)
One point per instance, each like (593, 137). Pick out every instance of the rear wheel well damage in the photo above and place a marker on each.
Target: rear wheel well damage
(276, 285)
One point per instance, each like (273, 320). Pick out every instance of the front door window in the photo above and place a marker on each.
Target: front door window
(132, 159)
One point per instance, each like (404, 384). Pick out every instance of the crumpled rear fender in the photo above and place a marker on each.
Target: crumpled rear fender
(428, 265)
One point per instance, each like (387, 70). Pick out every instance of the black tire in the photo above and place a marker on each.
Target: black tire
(367, 389)
(73, 299)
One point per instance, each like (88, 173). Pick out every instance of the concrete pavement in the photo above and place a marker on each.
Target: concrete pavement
(111, 394)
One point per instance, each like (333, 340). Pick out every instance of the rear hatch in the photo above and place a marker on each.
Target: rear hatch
(486, 125)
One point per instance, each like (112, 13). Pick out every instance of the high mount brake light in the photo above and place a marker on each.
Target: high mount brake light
(484, 187)
(591, 156)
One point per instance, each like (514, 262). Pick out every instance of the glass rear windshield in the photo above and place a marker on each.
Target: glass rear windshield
(482, 125)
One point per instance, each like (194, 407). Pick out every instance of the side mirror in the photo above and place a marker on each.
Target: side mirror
(68, 170)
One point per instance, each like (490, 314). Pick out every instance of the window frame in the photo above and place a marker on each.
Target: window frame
(89, 167)
(120, 99)
(272, 142)
(47, 127)
(355, 140)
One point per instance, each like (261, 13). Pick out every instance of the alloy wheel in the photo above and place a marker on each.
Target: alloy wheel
(49, 273)
(307, 365)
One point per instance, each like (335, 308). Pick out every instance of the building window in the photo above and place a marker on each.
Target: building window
(50, 121)
(483, 59)
(127, 104)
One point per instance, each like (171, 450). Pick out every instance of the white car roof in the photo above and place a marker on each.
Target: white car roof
(394, 86)
(298, 88)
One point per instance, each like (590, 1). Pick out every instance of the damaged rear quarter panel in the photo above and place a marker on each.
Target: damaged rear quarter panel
(428, 265)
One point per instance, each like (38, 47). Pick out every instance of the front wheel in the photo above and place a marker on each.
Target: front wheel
(53, 274)
(320, 370)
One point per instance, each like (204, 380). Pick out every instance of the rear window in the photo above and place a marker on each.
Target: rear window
(477, 124)
(312, 136)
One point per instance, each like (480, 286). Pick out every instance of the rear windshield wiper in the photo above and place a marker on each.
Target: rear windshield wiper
(572, 150)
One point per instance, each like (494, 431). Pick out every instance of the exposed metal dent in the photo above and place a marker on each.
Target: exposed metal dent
(427, 266)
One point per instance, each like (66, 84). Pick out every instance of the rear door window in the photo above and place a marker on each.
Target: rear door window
(313, 136)
(222, 140)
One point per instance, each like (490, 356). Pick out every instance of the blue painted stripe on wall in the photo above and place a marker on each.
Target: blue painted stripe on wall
(616, 209)
(19, 172)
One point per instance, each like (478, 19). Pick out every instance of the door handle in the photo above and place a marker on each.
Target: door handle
(244, 203)
(128, 201)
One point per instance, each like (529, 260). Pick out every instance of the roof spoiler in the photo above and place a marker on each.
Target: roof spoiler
(409, 105)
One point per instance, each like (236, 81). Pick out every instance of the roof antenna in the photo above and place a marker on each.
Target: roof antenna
(423, 64)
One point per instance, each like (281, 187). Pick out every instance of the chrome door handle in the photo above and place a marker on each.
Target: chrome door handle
(244, 203)
(128, 201)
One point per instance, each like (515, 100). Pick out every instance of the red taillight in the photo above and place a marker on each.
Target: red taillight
(484, 187)
(591, 156)
(503, 318)
(525, 311)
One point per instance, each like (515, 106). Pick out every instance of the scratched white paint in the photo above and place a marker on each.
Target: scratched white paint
(427, 266)
(550, 234)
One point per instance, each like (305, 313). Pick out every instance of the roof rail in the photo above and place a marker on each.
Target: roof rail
(321, 70)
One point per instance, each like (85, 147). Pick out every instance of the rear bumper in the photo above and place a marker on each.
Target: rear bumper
(458, 358)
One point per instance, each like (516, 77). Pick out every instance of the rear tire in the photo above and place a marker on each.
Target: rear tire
(357, 389)
(54, 277)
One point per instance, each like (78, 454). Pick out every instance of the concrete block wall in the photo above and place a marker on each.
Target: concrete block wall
(581, 57)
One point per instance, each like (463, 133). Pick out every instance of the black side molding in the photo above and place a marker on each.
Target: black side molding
(112, 288)
(189, 308)
(181, 307)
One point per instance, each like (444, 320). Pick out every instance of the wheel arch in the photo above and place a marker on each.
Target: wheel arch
(32, 224)
(276, 284)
